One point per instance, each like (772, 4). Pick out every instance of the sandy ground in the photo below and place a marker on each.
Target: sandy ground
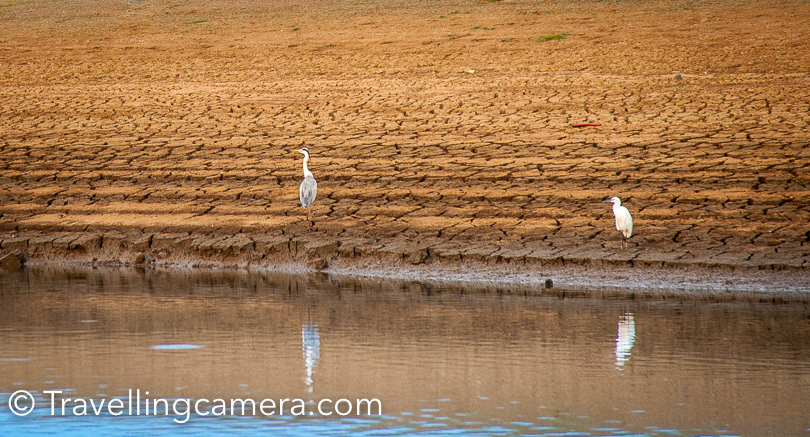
(441, 133)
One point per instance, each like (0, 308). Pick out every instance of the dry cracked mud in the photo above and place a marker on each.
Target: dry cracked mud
(441, 132)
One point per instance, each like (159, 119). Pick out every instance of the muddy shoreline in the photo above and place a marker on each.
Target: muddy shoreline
(474, 139)
(412, 267)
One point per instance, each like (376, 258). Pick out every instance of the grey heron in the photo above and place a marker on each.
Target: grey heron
(309, 188)
(624, 221)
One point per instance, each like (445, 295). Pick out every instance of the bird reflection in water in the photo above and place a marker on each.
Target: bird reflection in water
(625, 340)
(311, 346)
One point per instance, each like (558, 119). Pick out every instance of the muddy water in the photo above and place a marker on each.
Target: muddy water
(440, 359)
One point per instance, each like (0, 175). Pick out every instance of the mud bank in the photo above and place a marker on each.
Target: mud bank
(443, 135)
(462, 269)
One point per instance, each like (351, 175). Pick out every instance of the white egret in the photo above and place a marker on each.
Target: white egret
(624, 221)
(309, 188)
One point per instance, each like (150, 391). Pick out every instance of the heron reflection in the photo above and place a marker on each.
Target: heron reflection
(625, 340)
(312, 348)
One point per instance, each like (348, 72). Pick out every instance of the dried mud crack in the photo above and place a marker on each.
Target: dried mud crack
(441, 136)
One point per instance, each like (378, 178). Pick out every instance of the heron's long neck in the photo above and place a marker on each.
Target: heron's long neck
(306, 170)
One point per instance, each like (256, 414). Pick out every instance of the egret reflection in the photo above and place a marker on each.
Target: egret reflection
(312, 348)
(625, 340)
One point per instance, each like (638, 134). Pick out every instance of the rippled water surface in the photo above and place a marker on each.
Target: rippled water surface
(441, 360)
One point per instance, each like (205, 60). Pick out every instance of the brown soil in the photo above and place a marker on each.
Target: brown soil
(441, 132)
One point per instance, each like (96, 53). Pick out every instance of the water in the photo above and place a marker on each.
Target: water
(441, 360)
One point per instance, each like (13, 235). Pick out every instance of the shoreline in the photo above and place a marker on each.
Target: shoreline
(448, 140)
(527, 275)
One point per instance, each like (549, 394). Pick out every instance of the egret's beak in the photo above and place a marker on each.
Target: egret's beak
(607, 201)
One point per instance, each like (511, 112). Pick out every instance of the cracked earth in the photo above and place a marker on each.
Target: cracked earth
(440, 132)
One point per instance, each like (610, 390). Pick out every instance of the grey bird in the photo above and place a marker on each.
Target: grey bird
(309, 188)
(624, 221)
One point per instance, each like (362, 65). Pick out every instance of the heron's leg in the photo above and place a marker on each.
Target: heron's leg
(309, 218)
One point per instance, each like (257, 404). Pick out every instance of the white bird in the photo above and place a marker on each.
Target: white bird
(309, 188)
(624, 221)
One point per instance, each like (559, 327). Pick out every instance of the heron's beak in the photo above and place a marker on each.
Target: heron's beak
(296, 150)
